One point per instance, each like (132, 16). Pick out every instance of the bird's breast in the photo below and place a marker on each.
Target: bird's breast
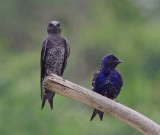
(56, 51)
(54, 58)
(100, 81)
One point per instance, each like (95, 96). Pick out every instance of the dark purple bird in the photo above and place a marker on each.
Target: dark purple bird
(54, 54)
(107, 81)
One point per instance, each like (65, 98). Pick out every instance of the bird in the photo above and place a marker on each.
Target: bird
(54, 55)
(107, 81)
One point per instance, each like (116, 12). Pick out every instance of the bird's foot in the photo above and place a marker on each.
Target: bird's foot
(116, 101)
(44, 93)
(63, 78)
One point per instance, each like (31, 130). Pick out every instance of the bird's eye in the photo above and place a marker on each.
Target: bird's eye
(58, 24)
(50, 24)
(111, 58)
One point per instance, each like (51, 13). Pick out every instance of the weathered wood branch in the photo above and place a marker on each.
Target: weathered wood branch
(90, 98)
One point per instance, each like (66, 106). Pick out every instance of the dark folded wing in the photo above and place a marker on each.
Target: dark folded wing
(42, 64)
(119, 84)
(66, 55)
(94, 78)
(121, 80)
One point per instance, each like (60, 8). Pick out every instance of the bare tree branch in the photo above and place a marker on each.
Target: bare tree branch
(90, 98)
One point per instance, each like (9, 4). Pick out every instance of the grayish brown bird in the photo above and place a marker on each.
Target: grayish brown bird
(54, 54)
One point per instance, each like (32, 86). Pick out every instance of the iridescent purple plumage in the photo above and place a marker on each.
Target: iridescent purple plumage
(107, 81)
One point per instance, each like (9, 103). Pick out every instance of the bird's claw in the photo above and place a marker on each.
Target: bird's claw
(63, 78)
(116, 101)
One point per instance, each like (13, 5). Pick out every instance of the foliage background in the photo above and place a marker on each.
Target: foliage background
(128, 28)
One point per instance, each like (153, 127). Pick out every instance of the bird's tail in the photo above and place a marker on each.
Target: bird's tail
(49, 95)
(95, 112)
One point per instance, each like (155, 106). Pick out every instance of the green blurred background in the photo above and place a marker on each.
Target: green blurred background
(128, 28)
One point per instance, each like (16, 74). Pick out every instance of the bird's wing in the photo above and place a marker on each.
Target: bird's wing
(94, 78)
(67, 47)
(121, 80)
(42, 64)
(66, 55)
(119, 85)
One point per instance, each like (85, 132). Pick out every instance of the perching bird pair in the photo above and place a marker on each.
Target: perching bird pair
(54, 54)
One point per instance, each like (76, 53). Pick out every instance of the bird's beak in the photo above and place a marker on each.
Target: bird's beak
(119, 61)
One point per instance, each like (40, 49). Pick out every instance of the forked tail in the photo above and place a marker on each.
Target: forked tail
(49, 95)
(95, 112)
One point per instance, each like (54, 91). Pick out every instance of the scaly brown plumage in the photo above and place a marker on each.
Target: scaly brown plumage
(54, 54)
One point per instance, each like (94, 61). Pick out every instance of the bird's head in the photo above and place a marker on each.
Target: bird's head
(54, 27)
(110, 61)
